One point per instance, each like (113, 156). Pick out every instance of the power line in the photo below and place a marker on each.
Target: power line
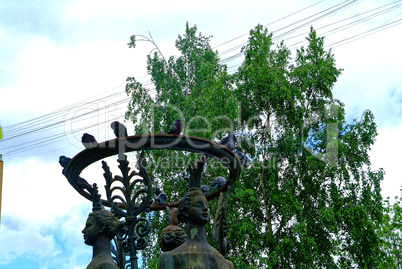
(278, 20)
(55, 119)
(367, 33)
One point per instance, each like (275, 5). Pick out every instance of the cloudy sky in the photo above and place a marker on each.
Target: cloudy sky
(63, 66)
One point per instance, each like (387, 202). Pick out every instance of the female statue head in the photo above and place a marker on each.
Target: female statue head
(194, 207)
(100, 222)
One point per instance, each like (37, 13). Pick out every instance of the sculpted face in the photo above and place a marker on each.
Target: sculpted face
(90, 231)
(198, 211)
(168, 241)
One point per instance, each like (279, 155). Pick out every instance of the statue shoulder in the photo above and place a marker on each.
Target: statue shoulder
(165, 261)
(102, 263)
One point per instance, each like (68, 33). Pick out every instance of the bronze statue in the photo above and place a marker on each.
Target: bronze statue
(99, 230)
(196, 252)
(173, 235)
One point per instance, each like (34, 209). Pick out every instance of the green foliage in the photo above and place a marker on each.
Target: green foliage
(390, 232)
(195, 88)
(310, 198)
(318, 198)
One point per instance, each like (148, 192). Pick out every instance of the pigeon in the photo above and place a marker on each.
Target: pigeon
(176, 128)
(205, 189)
(88, 141)
(63, 161)
(218, 182)
(244, 160)
(229, 141)
(83, 183)
(119, 129)
(160, 196)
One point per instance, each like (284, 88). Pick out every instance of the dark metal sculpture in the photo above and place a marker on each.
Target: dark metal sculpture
(195, 252)
(132, 232)
(173, 235)
(99, 230)
(153, 142)
(133, 194)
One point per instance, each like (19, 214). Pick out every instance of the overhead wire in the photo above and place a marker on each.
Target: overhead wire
(325, 34)
(40, 124)
(366, 33)
(278, 20)
(61, 112)
(56, 112)
(306, 21)
(348, 25)
(351, 23)
(54, 125)
(16, 128)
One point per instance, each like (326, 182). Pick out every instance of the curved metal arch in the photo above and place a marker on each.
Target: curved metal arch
(152, 142)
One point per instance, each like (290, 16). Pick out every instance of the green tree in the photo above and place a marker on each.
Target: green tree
(391, 234)
(310, 198)
(195, 88)
(318, 201)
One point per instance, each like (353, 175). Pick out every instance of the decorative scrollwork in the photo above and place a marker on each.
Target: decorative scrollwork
(134, 192)
(122, 231)
(142, 229)
(130, 194)
(219, 225)
(131, 182)
(118, 253)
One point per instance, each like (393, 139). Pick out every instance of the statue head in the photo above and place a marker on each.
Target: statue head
(194, 207)
(172, 237)
(100, 222)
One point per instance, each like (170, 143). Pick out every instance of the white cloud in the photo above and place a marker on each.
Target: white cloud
(371, 77)
(37, 191)
(54, 243)
(26, 241)
(69, 51)
(42, 216)
(386, 154)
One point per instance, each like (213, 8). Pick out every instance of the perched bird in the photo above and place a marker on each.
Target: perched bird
(205, 189)
(244, 160)
(63, 161)
(229, 141)
(119, 129)
(88, 141)
(218, 183)
(176, 128)
(160, 196)
(83, 183)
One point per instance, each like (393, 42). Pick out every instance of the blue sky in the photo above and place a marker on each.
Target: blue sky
(72, 55)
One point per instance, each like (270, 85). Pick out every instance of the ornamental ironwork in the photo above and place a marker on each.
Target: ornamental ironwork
(129, 194)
